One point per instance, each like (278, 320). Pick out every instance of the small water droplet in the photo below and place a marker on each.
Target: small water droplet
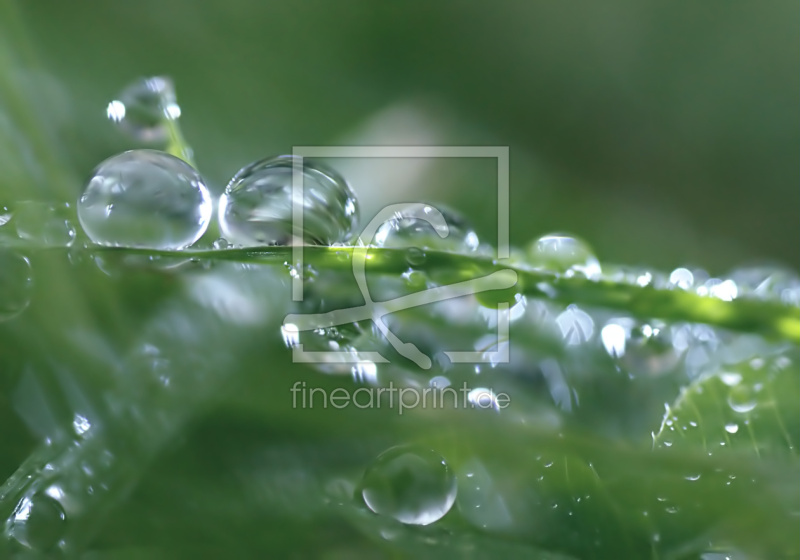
(681, 278)
(577, 326)
(614, 337)
(439, 382)
(5, 215)
(483, 398)
(415, 279)
(37, 523)
(427, 227)
(257, 207)
(732, 428)
(564, 254)
(413, 485)
(144, 107)
(693, 477)
(415, 256)
(731, 379)
(741, 398)
(221, 244)
(16, 284)
(146, 199)
(44, 224)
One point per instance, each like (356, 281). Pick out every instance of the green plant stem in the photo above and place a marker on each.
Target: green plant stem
(768, 318)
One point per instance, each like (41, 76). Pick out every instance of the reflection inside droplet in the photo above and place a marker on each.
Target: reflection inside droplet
(413, 485)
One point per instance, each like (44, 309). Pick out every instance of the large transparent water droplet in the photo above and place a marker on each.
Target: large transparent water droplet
(144, 108)
(44, 224)
(37, 523)
(146, 199)
(413, 485)
(564, 254)
(427, 227)
(16, 284)
(258, 205)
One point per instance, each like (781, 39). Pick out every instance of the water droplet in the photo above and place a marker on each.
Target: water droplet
(16, 284)
(258, 205)
(221, 244)
(483, 398)
(144, 108)
(413, 485)
(427, 227)
(681, 278)
(415, 256)
(37, 523)
(44, 224)
(732, 428)
(576, 325)
(693, 477)
(415, 280)
(741, 398)
(614, 337)
(146, 199)
(439, 382)
(564, 254)
(731, 379)
(5, 215)
(726, 290)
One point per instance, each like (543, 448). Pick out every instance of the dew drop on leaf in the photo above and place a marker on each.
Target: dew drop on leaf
(564, 254)
(144, 107)
(413, 485)
(420, 227)
(44, 224)
(741, 398)
(16, 284)
(37, 523)
(145, 199)
(257, 207)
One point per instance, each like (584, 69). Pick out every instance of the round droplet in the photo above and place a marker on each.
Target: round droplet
(681, 278)
(258, 207)
(742, 398)
(16, 284)
(732, 428)
(44, 224)
(145, 199)
(563, 254)
(5, 215)
(413, 485)
(221, 244)
(577, 326)
(420, 227)
(37, 523)
(415, 256)
(144, 108)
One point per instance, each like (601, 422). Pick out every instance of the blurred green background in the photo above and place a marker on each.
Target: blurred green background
(664, 133)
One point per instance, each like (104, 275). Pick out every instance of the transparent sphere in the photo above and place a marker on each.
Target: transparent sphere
(144, 107)
(413, 485)
(16, 284)
(145, 199)
(44, 224)
(257, 206)
(563, 254)
(427, 227)
(38, 523)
